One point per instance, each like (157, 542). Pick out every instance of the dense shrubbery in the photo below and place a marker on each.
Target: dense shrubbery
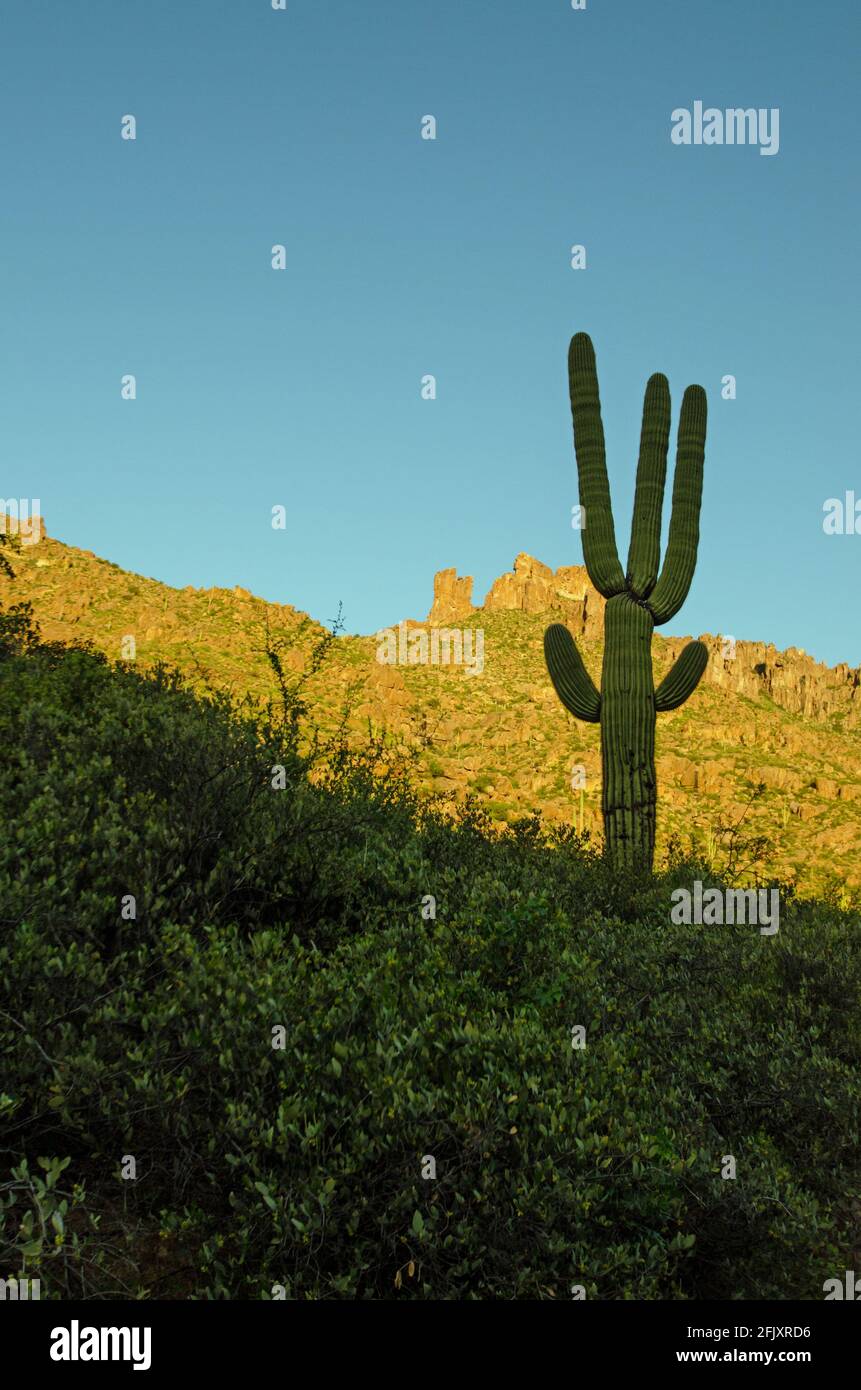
(405, 1037)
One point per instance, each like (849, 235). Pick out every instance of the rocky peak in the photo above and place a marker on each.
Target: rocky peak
(530, 587)
(792, 679)
(452, 597)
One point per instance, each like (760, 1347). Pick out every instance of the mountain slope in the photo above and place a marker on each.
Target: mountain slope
(761, 718)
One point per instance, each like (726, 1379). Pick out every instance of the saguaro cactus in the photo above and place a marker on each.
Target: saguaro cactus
(637, 600)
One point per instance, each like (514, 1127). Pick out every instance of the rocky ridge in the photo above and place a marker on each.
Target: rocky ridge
(760, 718)
(790, 678)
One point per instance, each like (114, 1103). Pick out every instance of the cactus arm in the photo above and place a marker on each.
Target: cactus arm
(571, 680)
(671, 589)
(644, 554)
(599, 536)
(683, 677)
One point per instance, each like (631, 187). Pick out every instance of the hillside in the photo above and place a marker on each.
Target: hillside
(761, 718)
(319, 1042)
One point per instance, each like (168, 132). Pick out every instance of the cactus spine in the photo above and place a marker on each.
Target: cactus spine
(637, 600)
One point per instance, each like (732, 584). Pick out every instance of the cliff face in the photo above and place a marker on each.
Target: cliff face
(792, 679)
(534, 588)
(530, 588)
(452, 598)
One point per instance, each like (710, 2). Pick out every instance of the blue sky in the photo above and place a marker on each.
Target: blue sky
(406, 257)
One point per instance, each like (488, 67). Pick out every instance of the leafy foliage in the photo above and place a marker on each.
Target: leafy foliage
(294, 901)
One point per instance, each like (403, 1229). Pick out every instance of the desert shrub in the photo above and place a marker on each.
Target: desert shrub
(407, 1036)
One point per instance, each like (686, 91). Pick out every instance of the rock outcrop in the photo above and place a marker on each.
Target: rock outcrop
(530, 587)
(792, 679)
(452, 598)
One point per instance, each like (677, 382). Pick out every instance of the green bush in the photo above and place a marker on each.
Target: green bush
(407, 1035)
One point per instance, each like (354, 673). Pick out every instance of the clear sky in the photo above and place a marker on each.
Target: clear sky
(405, 256)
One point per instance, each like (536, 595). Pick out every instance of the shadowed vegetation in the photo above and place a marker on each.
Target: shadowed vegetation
(278, 883)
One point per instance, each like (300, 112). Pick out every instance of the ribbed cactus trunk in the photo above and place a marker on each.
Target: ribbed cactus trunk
(637, 599)
(629, 794)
